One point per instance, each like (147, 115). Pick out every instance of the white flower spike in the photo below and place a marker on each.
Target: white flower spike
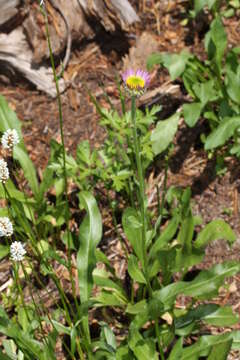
(6, 228)
(4, 173)
(10, 138)
(17, 251)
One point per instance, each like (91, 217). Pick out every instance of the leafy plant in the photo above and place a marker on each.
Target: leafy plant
(212, 84)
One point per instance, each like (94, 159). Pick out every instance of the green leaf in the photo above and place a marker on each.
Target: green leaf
(203, 346)
(191, 113)
(165, 237)
(134, 270)
(220, 351)
(108, 336)
(9, 120)
(154, 59)
(106, 298)
(176, 350)
(233, 85)
(133, 230)
(216, 229)
(164, 133)
(205, 92)
(124, 353)
(101, 279)
(222, 133)
(196, 314)
(208, 281)
(27, 166)
(142, 348)
(186, 232)
(90, 233)
(61, 329)
(223, 316)
(176, 63)
(216, 42)
(4, 251)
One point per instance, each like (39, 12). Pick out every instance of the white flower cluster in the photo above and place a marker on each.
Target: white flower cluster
(17, 251)
(10, 138)
(4, 173)
(6, 228)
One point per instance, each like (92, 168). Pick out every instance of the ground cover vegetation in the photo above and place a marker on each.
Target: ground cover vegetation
(162, 247)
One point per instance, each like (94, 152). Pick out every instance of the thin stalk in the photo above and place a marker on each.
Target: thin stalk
(63, 154)
(34, 302)
(159, 340)
(20, 291)
(164, 185)
(141, 192)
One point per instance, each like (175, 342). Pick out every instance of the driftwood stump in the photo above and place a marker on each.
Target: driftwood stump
(23, 43)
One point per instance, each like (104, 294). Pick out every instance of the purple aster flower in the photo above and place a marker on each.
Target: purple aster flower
(136, 82)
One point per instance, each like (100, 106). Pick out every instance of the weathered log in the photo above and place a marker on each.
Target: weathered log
(26, 49)
(8, 10)
(14, 50)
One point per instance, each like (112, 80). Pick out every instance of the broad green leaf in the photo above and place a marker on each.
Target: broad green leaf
(196, 314)
(208, 281)
(176, 350)
(222, 133)
(205, 285)
(205, 92)
(4, 250)
(220, 351)
(9, 120)
(216, 42)
(4, 356)
(142, 348)
(223, 316)
(133, 230)
(191, 113)
(61, 329)
(175, 63)
(216, 229)
(108, 335)
(235, 335)
(233, 84)
(90, 233)
(154, 59)
(110, 299)
(164, 133)
(165, 237)
(124, 353)
(134, 270)
(27, 166)
(136, 308)
(101, 279)
(185, 260)
(186, 232)
(203, 346)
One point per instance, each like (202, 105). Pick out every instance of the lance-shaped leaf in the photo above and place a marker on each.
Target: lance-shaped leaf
(90, 233)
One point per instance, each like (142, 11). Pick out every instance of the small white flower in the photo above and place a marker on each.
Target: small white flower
(6, 228)
(41, 3)
(17, 251)
(10, 138)
(4, 173)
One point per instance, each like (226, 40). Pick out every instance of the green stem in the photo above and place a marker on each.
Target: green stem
(34, 303)
(141, 187)
(64, 156)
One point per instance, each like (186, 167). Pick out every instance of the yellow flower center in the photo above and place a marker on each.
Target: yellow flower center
(135, 82)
